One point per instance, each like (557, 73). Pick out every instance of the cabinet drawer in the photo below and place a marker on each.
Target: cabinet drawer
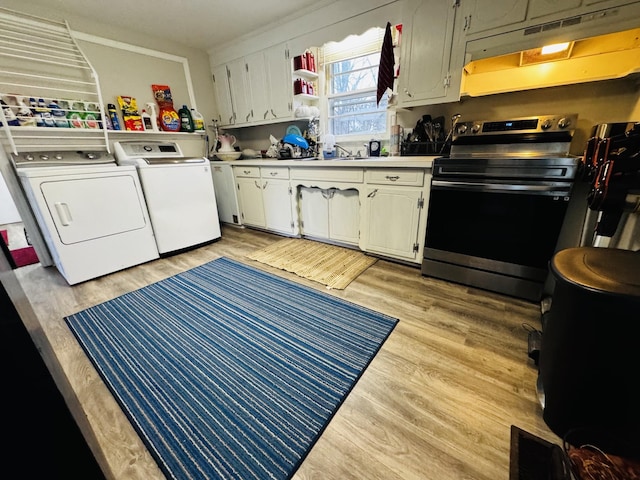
(395, 176)
(275, 172)
(253, 172)
(332, 174)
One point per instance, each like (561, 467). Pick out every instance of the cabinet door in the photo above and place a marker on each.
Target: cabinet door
(251, 203)
(258, 86)
(426, 52)
(484, 15)
(541, 8)
(393, 215)
(223, 95)
(240, 90)
(277, 195)
(278, 74)
(314, 212)
(344, 215)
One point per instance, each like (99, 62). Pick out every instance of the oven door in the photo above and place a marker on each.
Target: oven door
(494, 234)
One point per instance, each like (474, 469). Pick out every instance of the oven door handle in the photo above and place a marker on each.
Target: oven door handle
(534, 189)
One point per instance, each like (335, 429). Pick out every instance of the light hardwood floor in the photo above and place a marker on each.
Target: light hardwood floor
(437, 402)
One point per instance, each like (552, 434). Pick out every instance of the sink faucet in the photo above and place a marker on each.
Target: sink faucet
(340, 147)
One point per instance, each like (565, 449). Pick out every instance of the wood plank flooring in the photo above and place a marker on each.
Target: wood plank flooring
(437, 402)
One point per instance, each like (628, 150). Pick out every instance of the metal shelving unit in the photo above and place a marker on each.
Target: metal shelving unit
(39, 58)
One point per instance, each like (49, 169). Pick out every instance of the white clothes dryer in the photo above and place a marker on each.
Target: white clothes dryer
(179, 193)
(91, 212)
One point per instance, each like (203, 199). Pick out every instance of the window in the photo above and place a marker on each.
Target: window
(351, 69)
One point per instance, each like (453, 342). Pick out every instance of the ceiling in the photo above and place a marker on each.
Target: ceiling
(200, 24)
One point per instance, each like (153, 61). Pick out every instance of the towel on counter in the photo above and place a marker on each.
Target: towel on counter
(385, 69)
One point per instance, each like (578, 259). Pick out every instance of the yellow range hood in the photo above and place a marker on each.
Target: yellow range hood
(603, 57)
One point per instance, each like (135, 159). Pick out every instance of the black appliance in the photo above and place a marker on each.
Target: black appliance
(498, 203)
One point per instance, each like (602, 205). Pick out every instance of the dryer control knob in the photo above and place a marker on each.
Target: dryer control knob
(28, 157)
(564, 123)
(546, 125)
(58, 156)
(44, 157)
(90, 156)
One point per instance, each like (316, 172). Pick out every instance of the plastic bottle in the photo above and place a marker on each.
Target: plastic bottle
(11, 117)
(26, 117)
(113, 116)
(45, 113)
(147, 122)
(186, 121)
(58, 114)
(150, 107)
(33, 106)
(198, 120)
(92, 116)
(76, 115)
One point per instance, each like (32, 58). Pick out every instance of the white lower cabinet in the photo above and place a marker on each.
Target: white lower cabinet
(250, 201)
(278, 211)
(379, 210)
(392, 216)
(330, 213)
(394, 201)
(265, 198)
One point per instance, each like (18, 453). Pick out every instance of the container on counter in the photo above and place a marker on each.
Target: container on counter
(186, 121)
(198, 120)
(113, 116)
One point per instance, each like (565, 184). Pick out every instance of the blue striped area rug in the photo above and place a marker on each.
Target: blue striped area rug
(229, 372)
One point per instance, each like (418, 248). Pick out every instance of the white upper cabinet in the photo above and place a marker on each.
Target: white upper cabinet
(542, 8)
(484, 15)
(427, 45)
(256, 88)
(223, 95)
(278, 75)
(240, 90)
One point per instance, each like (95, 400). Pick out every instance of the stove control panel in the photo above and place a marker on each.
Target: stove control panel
(525, 125)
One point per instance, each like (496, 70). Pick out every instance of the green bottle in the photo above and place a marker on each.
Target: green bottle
(186, 120)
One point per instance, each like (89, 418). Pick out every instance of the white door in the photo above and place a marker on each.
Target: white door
(251, 204)
(223, 95)
(314, 212)
(393, 214)
(276, 196)
(344, 215)
(113, 200)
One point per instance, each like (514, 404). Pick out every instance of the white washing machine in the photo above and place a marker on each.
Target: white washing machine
(91, 212)
(179, 193)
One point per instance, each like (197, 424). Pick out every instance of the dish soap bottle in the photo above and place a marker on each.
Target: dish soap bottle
(186, 121)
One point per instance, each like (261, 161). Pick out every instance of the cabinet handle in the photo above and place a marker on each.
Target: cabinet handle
(264, 117)
(257, 184)
(392, 178)
(372, 193)
(273, 113)
(273, 174)
(265, 185)
(326, 194)
(246, 172)
(246, 119)
(408, 93)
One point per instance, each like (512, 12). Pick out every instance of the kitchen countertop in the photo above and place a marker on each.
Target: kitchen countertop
(391, 162)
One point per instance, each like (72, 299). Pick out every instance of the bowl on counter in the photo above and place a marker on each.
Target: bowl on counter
(228, 156)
